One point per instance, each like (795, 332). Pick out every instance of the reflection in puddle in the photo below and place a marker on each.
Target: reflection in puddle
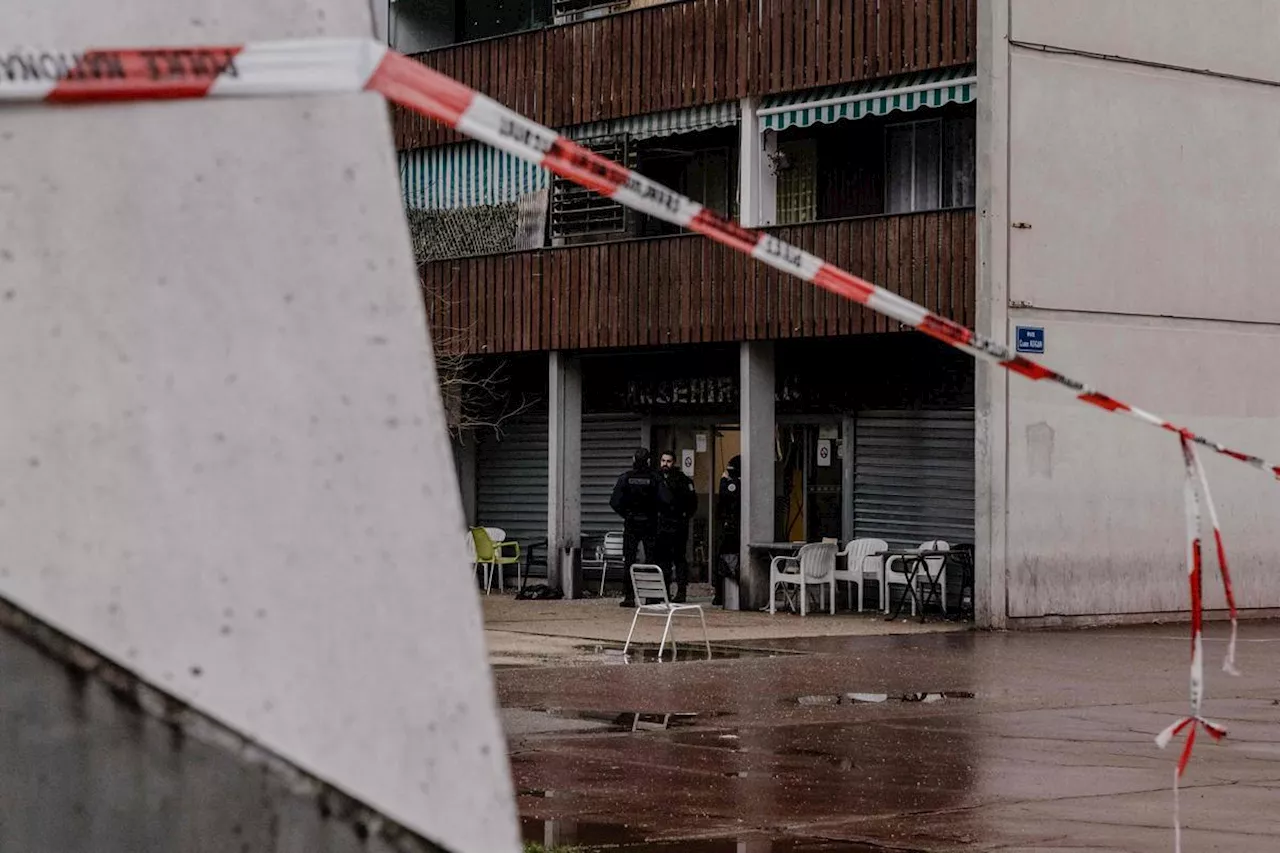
(592, 837)
(613, 656)
(882, 698)
(632, 721)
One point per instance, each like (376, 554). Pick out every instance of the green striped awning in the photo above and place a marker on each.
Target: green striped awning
(904, 93)
(468, 174)
(669, 123)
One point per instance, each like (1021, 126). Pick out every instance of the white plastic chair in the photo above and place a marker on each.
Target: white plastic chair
(610, 555)
(861, 563)
(501, 559)
(815, 565)
(648, 582)
(937, 566)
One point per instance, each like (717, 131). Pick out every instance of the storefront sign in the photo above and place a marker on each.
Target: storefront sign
(711, 391)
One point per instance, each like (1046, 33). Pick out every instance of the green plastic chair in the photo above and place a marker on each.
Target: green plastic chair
(494, 554)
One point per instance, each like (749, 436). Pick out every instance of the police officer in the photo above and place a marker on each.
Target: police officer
(728, 510)
(635, 498)
(677, 502)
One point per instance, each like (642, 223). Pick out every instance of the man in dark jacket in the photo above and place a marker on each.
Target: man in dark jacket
(728, 511)
(635, 498)
(677, 502)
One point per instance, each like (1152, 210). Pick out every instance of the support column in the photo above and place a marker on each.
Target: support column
(758, 199)
(991, 403)
(564, 472)
(464, 457)
(847, 461)
(757, 431)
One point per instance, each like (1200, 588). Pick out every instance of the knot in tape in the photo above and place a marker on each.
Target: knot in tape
(1217, 731)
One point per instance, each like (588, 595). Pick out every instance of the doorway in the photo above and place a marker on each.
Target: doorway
(703, 450)
(808, 482)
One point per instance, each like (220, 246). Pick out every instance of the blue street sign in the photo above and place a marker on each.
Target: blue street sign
(1031, 339)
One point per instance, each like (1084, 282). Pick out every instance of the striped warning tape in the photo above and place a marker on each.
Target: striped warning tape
(350, 65)
(346, 65)
(1195, 487)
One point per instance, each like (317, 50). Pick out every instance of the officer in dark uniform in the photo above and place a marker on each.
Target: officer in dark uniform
(677, 502)
(635, 498)
(728, 510)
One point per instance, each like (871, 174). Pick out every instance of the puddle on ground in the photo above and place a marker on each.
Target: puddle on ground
(633, 721)
(883, 698)
(612, 655)
(597, 838)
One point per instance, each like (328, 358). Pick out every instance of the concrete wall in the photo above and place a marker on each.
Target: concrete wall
(223, 462)
(87, 769)
(1133, 216)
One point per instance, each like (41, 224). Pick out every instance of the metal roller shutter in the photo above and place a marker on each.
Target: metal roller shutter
(511, 479)
(913, 476)
(608, 443)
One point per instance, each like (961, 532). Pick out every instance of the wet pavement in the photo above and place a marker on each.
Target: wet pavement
(945, 742)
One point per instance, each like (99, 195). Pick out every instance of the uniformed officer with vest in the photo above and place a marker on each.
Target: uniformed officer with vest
(728, 511)
(635, 498)
(677, 503)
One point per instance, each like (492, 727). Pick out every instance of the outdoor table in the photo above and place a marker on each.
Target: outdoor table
(914, 562)
(754, 597)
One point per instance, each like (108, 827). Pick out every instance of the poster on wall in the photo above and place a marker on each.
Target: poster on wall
(686, 462)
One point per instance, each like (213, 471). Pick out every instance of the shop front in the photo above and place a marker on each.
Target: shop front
(871, 436)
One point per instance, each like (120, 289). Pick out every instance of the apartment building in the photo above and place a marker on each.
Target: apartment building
(846, 126)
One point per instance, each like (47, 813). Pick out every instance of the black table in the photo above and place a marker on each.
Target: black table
(914, 562)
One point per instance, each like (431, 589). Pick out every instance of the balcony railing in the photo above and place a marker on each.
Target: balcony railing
(687, 289)
(697, 52)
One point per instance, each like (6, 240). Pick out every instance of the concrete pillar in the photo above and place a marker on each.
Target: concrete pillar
(757, 425)
(564, 472)
(758, 183)
(224, 463)
(847, 460)
(991, 395)
(464, 458)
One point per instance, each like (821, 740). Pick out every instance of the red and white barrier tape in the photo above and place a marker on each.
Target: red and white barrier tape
(347, 65)
(1195, 481)
(350, 65)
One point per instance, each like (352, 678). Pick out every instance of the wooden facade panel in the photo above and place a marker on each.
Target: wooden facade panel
(697, 52)
(685, 289)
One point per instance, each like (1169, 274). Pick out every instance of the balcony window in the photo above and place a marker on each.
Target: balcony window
(579, 215)
(414, 26)
(929, 164)
(796, 165)
(702, 165)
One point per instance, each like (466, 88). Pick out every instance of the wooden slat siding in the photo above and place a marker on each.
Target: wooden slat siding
(684, 289)
(812, 69)
(697, 52)
(968, 45)
(532, 270)
(910, 40)
(687, 287)
(968, 225)
(948, 32)
(931, 254)
(933, 50)
(893, 18)
(959, 251)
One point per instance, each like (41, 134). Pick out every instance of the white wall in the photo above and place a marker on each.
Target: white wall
(1141, 210)
(223, 461)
